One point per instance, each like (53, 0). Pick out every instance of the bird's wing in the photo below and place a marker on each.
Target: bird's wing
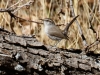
(57, 33)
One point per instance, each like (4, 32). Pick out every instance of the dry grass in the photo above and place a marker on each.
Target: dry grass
(50, 9)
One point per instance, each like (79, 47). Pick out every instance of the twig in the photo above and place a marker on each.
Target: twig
(14, 16)
(11, 10)
(80, 30)
(92, 44)
(26, 4)
(6, 10)
(91, 27)
(91, 17)
(60, 24)
(15, 4)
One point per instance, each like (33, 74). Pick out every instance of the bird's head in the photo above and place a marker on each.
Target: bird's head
(48, 21)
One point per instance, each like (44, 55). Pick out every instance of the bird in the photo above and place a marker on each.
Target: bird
(53, 31)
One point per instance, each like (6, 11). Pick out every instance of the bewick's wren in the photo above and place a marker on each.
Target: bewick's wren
(53, 32)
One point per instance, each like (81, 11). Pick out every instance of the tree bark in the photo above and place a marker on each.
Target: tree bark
(23, 55)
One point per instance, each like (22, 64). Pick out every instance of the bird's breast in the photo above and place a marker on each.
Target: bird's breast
(47, 29)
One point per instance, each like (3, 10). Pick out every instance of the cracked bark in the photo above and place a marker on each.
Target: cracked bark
(26, 55)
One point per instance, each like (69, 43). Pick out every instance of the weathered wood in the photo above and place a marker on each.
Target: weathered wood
(26, 55)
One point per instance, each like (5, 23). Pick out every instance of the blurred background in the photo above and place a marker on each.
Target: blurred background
(59, 11)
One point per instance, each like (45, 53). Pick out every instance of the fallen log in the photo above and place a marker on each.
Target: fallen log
(26, 55)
